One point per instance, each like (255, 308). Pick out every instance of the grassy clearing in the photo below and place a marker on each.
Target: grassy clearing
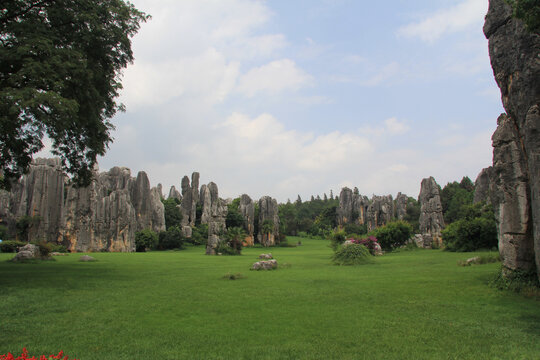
(181, 305)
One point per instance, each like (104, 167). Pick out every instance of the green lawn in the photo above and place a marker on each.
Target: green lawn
(176, 305)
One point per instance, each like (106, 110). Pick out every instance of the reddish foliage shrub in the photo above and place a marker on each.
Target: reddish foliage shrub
(24, 356)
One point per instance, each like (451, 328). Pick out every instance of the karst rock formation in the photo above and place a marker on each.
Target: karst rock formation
(514, 54)
(247, 209)
(268, 211)
(431, 221)
(103, 216)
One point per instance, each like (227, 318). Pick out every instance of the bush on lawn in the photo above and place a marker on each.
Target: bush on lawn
(352, 254)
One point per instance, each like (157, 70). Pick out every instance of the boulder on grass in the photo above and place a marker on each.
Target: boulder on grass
(86, 258)
(266, 256)
(28, 252)
(265, 265)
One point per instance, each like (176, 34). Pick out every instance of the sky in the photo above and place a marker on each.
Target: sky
(288, 98)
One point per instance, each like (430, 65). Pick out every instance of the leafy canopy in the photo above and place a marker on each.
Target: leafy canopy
(60, 67)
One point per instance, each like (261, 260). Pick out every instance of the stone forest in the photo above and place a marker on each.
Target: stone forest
(110, 266)
(106, 215)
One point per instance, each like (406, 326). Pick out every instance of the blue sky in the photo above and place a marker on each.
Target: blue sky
(300, 97)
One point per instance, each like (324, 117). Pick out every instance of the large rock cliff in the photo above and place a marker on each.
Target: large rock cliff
(514, 54)
(101, 217)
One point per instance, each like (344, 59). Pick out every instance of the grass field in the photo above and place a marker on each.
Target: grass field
(177, 305)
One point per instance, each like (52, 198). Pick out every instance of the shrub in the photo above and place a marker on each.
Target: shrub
(393, 235)
(525, 283)
(10, 246)
(353, 254)
(57, 248)
(355, 228)
(470, 235)
(3, 232)
(24, 356)
(223, 248)
(199, 235)
(369, 242)
(172, 238)
(337, 237)
(145, 240)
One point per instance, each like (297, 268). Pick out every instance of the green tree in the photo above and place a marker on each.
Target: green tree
(60, 67)
(234, 217)
(146, 240)
(24, 224)
(529, 12)
(454, 196)
(235, 236)
(393, 235)
(172, 238)
(173, 215)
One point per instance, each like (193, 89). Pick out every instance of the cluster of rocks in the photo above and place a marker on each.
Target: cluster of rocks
(513, 183)
(380, 210)
(265, 265)
(102, 216)
(355, 208)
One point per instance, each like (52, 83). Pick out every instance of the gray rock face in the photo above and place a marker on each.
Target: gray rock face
(482, 186)
(106, 214)
(514, 58)
(102, 216)
(401, 206)
(175, 194)
(511, 199)
(431, 215)
(352, 208)
(190, 198)
(380, 211)
(27, 252)
(268, 210)
(39, 194)
(214, 213)
(247, 209)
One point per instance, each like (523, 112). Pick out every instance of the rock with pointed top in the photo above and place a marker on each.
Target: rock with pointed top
(431, 221)
(268, 212)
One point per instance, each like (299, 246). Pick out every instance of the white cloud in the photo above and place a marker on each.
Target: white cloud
(395, 127)
(456, 18)
(273, 78)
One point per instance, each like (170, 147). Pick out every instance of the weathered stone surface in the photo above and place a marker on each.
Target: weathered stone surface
(266, 256)
(268, 210)
(513, 52)
(175, 194)
(265, 265)
(431, 215)
(482, 186)
(247, 209)
(27, 252)
(380, 211)
(511, 198)
(39, 194)
(401, 206)
(214, 213)
(190, 198)
(352, 208)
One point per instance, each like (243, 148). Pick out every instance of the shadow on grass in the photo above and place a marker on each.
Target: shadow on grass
(57, 276)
